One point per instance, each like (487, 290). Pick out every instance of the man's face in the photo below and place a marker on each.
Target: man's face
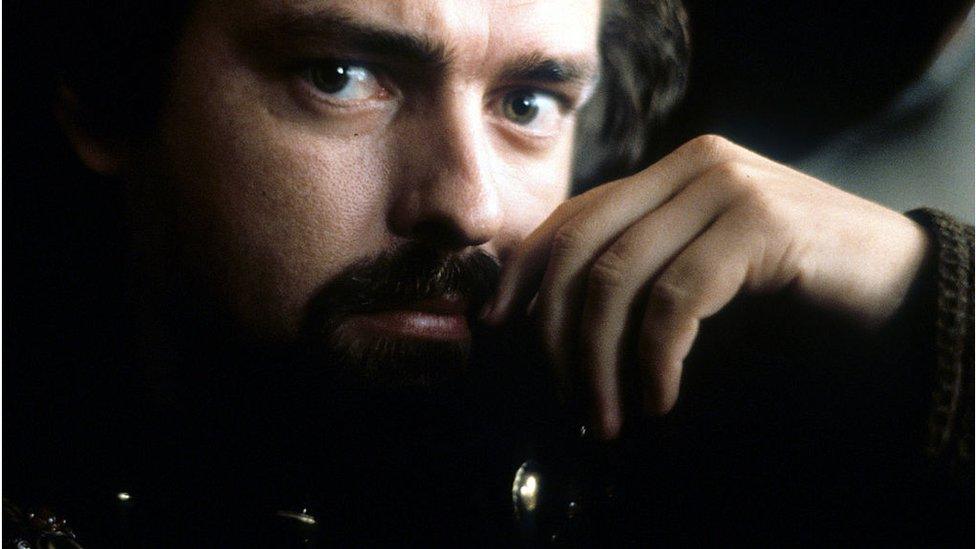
(304, 140)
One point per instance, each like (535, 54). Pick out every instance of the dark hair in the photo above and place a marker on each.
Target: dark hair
(645, 50)
(115, 57)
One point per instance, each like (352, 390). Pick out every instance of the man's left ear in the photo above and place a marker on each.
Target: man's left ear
(102, 153)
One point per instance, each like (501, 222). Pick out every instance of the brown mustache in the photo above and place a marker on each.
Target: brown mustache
(403, 275)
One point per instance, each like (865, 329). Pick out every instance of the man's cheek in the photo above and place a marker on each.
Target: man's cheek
(267, 244)
(283, 259)
(531, 197)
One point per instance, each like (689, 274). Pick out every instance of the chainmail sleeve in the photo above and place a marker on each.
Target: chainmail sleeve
(949, 437)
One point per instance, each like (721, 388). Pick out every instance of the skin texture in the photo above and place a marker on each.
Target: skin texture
(271, 189)
(279, 188)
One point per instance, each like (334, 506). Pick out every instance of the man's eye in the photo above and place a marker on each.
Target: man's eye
(537, 111)
(345, 82)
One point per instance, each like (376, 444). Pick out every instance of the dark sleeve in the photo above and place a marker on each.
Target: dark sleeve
(947, 332)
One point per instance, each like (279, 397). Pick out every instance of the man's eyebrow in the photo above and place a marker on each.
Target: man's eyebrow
(538, 67)
(340, 30)
(344, 31)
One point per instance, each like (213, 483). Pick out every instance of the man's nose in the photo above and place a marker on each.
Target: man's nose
(446, 190)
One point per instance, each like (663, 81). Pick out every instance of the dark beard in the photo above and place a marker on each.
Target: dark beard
(334, 393)
(219, 367)
(404, 275)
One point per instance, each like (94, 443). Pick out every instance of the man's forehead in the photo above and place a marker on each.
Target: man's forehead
(471, 33)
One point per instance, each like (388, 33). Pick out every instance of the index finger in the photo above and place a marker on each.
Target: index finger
(632, 198)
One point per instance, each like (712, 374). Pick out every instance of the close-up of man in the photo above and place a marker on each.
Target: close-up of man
(380, 272)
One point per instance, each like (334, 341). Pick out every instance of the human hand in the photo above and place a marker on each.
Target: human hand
(653, 254)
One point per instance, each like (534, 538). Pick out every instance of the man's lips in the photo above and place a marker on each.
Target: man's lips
(441, 318)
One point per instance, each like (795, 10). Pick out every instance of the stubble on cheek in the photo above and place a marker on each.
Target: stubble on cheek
(266, 209)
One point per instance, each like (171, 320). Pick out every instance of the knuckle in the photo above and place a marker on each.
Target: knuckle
(609, 272)
(567, 241)
(625, 251)
(565, 208)
(710, 145)
(734, 176)
(667, 295)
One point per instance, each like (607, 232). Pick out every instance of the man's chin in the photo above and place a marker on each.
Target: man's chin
(396, 362)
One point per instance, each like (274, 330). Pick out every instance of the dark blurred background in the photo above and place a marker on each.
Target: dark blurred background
(874, 97)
